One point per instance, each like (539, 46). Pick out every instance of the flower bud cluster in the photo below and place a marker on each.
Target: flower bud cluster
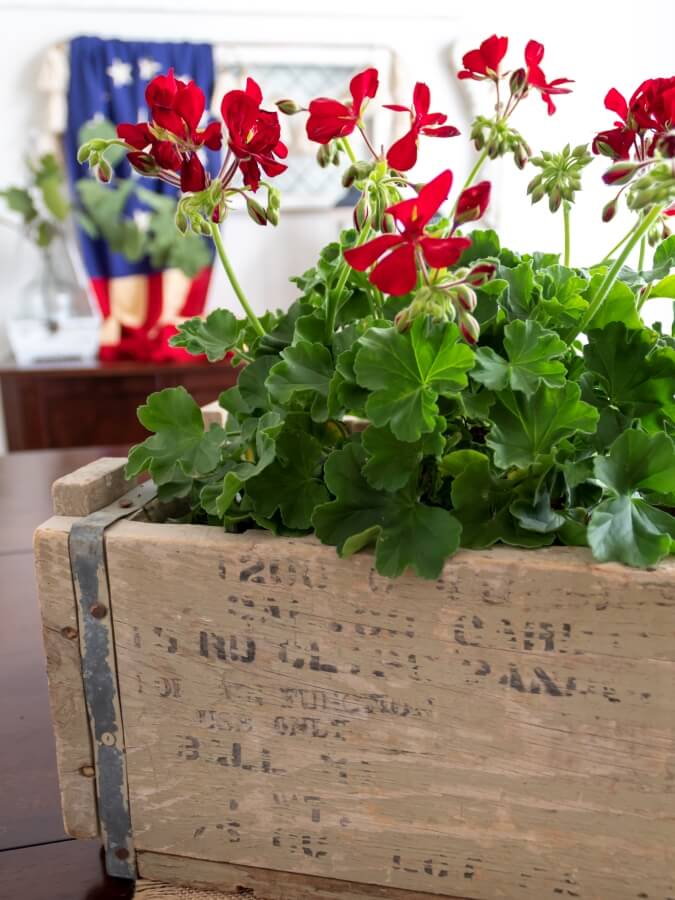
(329, 154)
(498, 138)
(654, 187)
(560, 176)
(451, 302)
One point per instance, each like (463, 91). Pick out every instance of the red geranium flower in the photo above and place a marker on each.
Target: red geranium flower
(254, 134)
(472, 203)
(402, 155)
(651, 109)
(171, 139)
(397, 273)
(484, 62)
(329, 119)
(534, 53)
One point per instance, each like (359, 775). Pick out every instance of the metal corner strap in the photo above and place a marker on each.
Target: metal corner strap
(86, 547)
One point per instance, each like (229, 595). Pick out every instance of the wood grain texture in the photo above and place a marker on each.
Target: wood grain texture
(507, 731)
(74, 752)
(204, 877)
(90, 488)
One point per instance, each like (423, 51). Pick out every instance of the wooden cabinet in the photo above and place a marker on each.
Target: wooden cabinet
(82, 405)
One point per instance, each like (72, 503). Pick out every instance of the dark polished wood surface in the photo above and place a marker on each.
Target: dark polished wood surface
(78, 405)
(37, 859)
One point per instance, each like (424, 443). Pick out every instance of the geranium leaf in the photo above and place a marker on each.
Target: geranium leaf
(619, 305)
(533, 356)
(524, 427)
(292, 483)
(482, 503)
(217, 498)
(637, 375)
(304, 375)
(630, 531)
(407, 373)
(391, 463)
(405, 531)
(213, 336)
(521, 282)
(638, 462)
(251, 382)
(180, 446)
(625, 527)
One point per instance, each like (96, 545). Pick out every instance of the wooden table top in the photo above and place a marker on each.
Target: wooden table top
(37, 859)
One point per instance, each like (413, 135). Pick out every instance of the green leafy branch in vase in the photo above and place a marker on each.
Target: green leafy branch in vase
(428, 388)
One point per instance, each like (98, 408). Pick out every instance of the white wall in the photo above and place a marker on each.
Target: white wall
(600, 44)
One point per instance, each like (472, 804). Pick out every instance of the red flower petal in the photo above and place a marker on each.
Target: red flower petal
(251, 173)
(166, 155)
(137, 135)
(170, 121)
(402, 155)
(432, 196)
(253, 91)
(190, 103)
(616, 103)
(472, 203)
(443, 252)
(211, 136)
(329, 119)
(534, 53)
(421, 98)
(474, 61)
(396, 107)
(281, 150)
(142, 162)
(397, 273)
(362, 86)
(270, 166)
(361, 258)
(443, 131)
(192, 174)
(493, 50)
(162, 90)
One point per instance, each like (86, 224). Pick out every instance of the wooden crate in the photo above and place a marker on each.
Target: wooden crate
(297, 726)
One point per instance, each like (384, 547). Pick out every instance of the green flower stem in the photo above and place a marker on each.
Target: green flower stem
(472, 175)
(236, 287)
(566, 227)
(334, 296)
(608, 281)
(347, 147)
(641, 258)
(616, 246)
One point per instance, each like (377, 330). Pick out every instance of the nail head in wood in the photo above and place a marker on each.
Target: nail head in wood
(98, 611)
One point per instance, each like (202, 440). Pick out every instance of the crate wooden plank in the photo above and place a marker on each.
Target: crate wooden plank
(74, 754)
(90, 487)
(509, 728)
(255, 883)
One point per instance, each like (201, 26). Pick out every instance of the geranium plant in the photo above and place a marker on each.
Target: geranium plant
(429, 388)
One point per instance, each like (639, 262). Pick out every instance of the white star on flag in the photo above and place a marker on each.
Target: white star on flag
(120, 73)
(142, 219)
(147, 68)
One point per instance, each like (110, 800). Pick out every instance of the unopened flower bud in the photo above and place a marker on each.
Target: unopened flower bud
(520, 156)
(361, 212)
(665, 144)
(402, 320)
(472, 203)
(182, 221)
(324, 155)
(621, 172)
(469, 328)
(555, 198)
(349, 176)
(518, 82)
(256, 211)
(103, 170)
(481, 274)
(609, 211)
(288, 107)
(466, 297)
(388, 223)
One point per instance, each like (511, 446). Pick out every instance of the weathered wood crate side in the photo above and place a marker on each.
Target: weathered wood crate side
(505, 732)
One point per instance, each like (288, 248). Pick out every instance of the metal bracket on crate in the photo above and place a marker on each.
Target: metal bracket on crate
(99, 674)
